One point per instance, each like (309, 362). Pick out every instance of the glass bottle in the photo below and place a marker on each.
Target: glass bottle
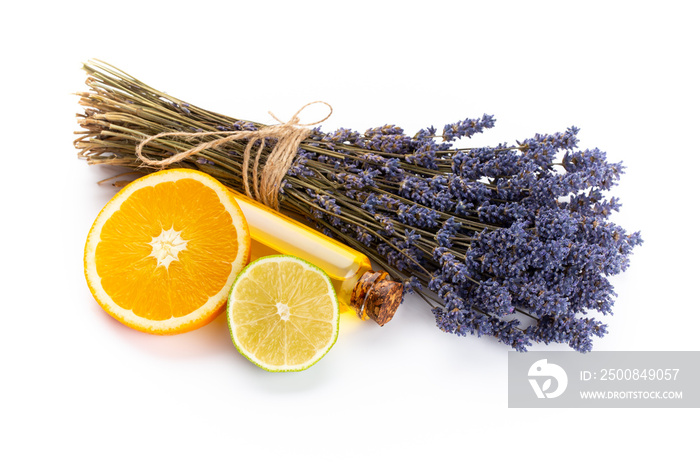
(371, 295)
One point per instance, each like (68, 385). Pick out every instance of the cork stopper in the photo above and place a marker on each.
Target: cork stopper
(376, 297)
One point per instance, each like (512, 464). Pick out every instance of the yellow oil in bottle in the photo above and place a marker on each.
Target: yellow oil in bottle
(369, 294)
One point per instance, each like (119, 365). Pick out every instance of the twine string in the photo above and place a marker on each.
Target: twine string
(266, 182)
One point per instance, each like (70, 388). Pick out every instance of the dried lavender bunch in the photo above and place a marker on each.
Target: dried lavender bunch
(512, 241)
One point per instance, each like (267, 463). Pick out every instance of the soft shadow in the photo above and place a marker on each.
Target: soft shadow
(287, 382)
(212, 339)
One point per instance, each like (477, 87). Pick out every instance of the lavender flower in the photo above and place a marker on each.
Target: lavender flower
(468, 127)
(496, 233)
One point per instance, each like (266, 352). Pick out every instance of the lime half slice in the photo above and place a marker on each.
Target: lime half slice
(283, 313)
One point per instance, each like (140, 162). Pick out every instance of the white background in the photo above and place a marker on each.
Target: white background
(77, 386)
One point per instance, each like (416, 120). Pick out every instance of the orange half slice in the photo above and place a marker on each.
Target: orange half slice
(162, 255)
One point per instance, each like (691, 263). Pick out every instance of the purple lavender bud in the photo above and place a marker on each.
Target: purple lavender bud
(468, 127)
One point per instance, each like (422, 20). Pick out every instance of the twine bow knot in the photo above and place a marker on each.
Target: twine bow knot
(267, 183)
